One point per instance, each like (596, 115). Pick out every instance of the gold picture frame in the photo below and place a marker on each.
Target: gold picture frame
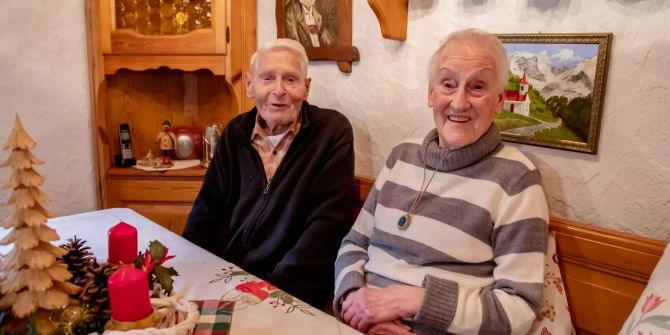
(554, 97)
(323, 27)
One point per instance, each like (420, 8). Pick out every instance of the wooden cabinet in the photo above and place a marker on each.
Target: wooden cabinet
(155, 60)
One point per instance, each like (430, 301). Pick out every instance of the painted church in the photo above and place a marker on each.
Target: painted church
(517, 99)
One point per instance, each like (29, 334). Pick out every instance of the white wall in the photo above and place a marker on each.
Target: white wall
(625, 187)
(44, 79)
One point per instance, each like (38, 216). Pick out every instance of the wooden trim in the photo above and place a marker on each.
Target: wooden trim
(96, 85)
(214, 63)
(392, 17)
(200, 41)
(219, 23)
(604, 271)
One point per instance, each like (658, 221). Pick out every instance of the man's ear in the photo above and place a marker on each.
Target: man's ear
(308, 82)
(247, 84)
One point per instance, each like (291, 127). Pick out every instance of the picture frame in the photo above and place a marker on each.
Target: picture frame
(323, 27)
(555, 93)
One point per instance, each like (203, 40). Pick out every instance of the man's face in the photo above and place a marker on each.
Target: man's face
(278, 87)
(465, 94)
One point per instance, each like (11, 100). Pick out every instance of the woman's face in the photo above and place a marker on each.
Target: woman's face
(465, 94)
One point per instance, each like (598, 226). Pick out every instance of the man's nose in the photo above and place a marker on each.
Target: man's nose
(279, 88)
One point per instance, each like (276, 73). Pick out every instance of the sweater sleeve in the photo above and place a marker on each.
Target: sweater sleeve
(353, 253)
(508, 306)
(307, 268)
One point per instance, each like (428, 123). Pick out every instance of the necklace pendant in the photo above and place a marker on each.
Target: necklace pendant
(404, 221)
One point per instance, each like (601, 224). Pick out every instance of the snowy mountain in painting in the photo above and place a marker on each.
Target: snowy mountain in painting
(549, 80)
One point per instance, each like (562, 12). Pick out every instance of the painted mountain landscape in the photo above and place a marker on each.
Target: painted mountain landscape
(549, 93)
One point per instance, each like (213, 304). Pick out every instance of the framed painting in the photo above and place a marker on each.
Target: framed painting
(323, 27)
(554, 95)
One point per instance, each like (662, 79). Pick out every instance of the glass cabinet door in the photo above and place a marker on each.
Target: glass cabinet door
(163, 27)
(163, 17)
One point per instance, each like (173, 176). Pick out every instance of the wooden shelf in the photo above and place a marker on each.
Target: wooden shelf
(392, 17)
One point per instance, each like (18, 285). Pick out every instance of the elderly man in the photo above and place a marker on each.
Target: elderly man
(277, 197)
(452, 237)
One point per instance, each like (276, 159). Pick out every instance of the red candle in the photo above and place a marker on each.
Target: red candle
(122, 243)
(128, 290)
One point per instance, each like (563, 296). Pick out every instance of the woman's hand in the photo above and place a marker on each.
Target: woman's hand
(368, 306)
(395, 327)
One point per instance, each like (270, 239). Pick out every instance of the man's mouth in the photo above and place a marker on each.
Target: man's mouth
(277, 105)
(458, 118)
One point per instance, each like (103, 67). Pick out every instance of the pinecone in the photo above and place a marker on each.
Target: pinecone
(77, 259)
(94, 295)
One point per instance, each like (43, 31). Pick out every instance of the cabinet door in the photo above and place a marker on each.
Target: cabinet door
(163, 27)
(164, 201)
(170, 216)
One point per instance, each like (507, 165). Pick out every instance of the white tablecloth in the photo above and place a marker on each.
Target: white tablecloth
(204, 276)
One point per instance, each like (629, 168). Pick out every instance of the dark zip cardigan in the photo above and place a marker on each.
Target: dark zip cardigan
(287, 231)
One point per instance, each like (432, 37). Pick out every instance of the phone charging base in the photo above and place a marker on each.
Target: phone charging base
(128, 162)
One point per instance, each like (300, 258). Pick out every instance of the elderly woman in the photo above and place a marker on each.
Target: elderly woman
(452, 237)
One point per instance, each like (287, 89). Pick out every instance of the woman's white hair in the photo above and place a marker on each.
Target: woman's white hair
(287, 44)
(479, 37)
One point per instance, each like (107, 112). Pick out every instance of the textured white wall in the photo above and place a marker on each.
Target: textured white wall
(44, 79)
(625, 187)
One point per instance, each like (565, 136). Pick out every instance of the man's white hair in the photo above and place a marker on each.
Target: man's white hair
(287, 44)
(478, 37)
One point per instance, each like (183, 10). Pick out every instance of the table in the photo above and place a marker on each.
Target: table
(262, 309)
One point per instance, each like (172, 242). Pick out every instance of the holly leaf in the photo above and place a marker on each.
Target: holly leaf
(164, 277)
(171, 271)
(239, 273)
(157, 250)
(275, 294)
(286, 298)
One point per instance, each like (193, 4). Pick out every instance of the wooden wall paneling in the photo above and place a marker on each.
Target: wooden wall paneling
(605, 272)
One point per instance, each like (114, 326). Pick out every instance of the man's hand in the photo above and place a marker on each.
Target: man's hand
(395, 327)
(368, 306)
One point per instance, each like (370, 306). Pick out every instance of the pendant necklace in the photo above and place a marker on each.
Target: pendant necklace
(406, 219)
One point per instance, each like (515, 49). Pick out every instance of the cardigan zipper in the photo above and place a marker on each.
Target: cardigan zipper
(251, 229)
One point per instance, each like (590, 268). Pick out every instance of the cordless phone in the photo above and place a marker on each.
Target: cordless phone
(126, 157)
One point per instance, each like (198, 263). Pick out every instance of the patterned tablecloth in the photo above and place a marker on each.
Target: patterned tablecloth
(259, 307)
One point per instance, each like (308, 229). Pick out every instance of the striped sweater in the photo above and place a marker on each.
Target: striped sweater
(475, 243)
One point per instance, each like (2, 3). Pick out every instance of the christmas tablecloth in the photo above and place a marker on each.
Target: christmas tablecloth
(247, 305)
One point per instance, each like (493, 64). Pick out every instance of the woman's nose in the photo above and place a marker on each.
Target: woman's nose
(460, 101)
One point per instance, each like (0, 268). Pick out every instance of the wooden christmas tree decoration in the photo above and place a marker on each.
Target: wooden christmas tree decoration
(34, 280)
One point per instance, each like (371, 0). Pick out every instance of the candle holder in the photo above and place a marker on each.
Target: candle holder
(171, 315)
(148, 322)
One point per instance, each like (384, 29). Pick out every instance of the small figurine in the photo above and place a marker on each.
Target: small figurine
(167, 142)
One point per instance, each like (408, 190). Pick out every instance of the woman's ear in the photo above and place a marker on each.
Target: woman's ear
(430, 95)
